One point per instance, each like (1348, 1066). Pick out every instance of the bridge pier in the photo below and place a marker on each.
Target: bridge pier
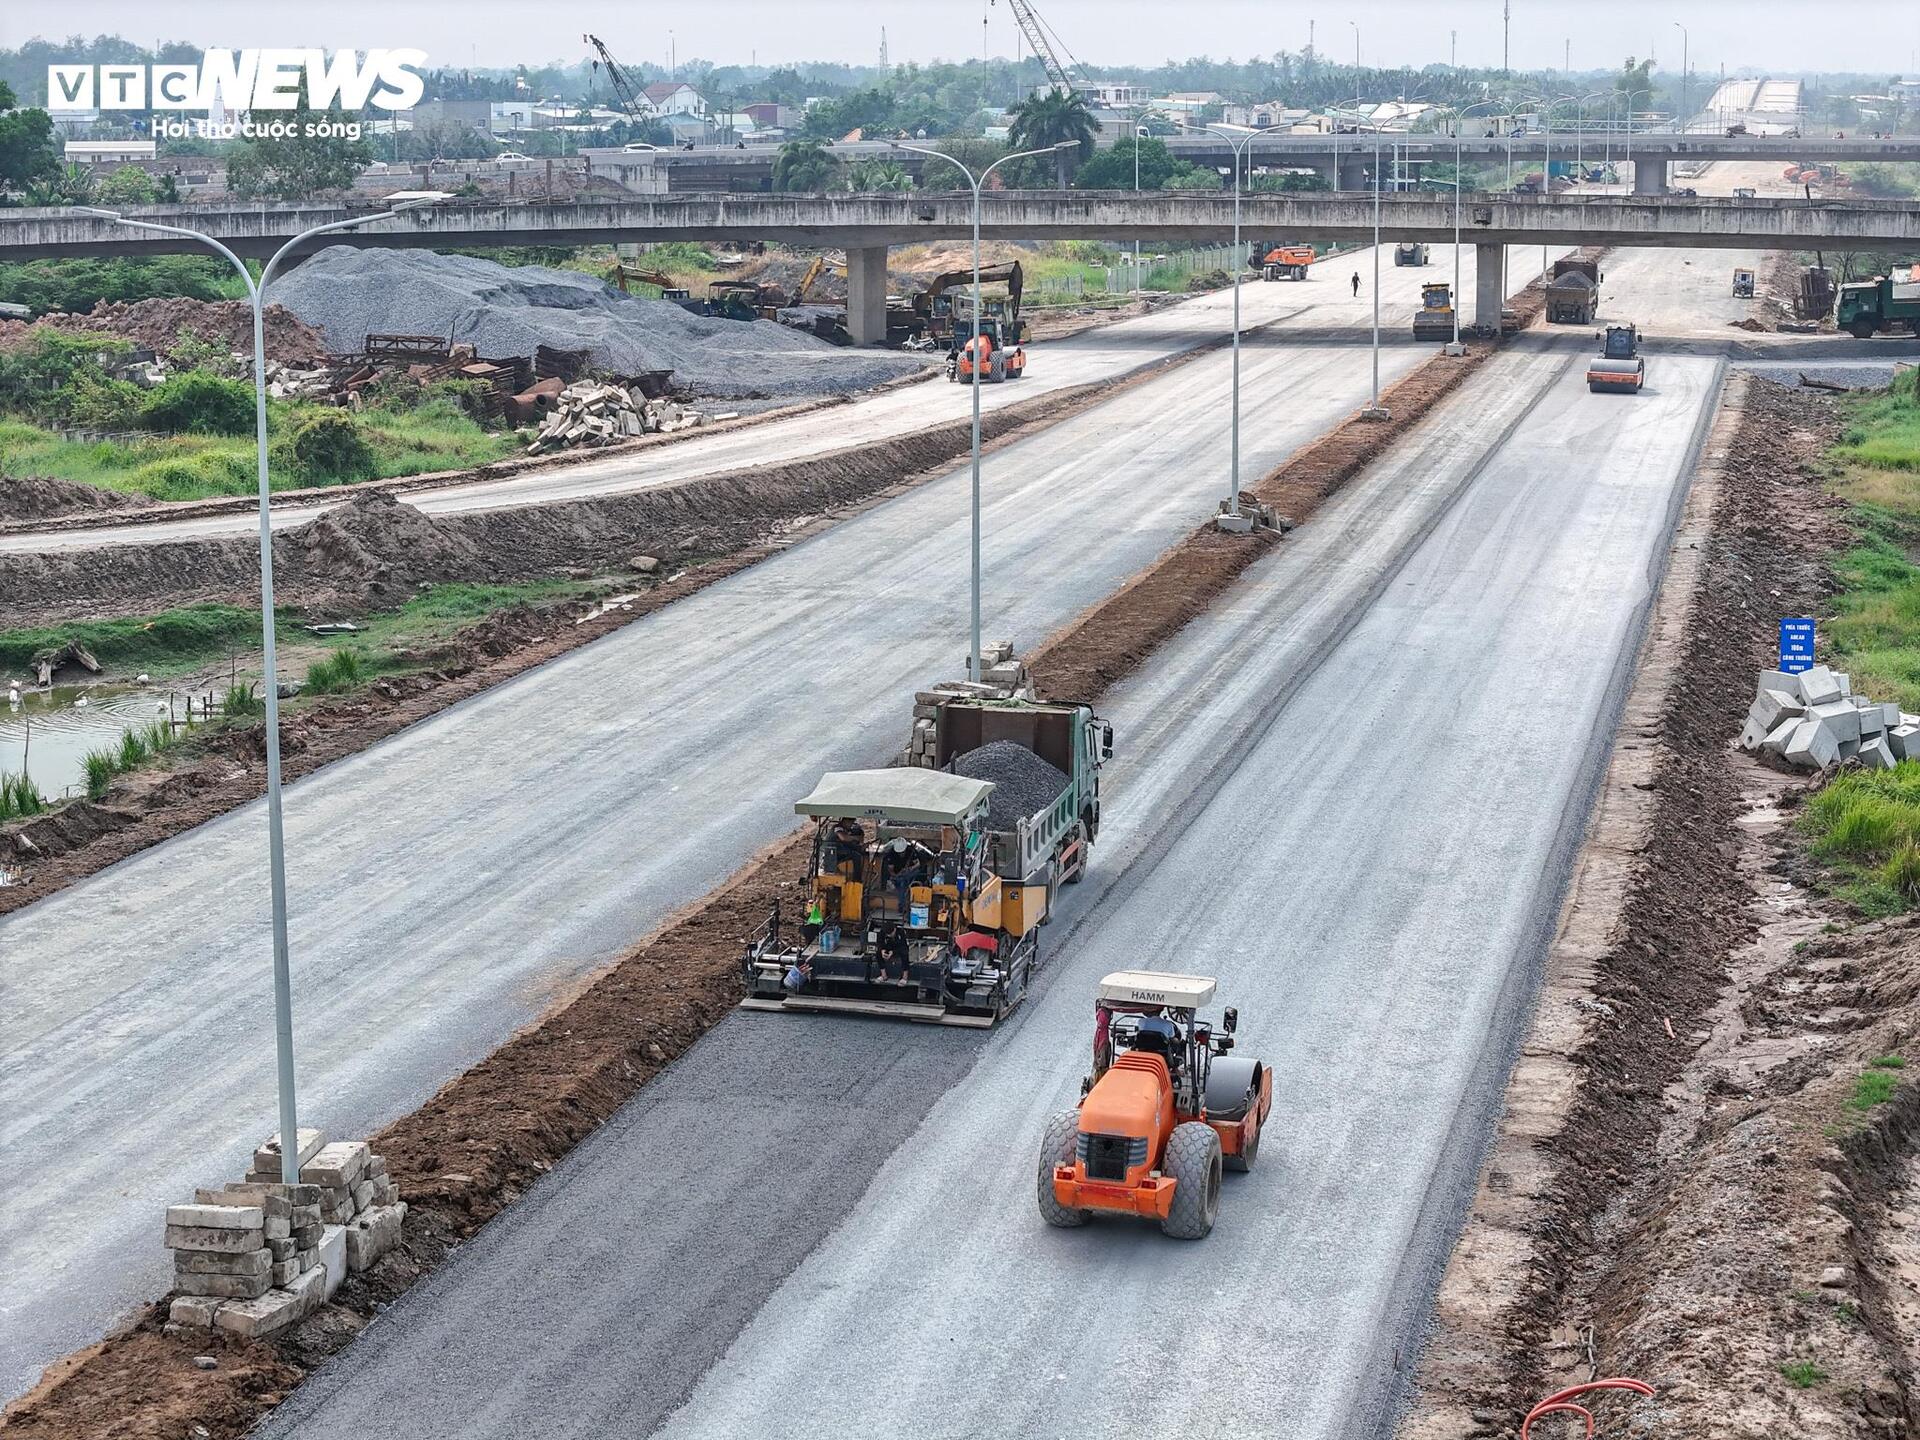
(1489, 296)
(867, 294)
(1354, 173)
(1649, 177)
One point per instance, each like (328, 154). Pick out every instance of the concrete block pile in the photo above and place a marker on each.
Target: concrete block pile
(1004, 677)
(257, 1256)
(590, 412)
(1813, 720)
(311, 383)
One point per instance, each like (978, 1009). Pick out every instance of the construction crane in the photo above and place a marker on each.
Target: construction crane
(1048, 51)
(624, 88)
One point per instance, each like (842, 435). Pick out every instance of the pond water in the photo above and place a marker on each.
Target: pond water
(52, 734)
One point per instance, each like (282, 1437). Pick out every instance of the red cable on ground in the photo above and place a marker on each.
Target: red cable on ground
(1561, 1403)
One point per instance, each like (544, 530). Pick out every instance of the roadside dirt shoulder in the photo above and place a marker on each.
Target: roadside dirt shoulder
(1680, 1189)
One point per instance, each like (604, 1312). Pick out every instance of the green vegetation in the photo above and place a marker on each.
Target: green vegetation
(329, 447)
(1874, 1087)
(172, 641)
(136, 747)
(303, 163)
(1050, 117)
(1875, 629)
(19, 797)
(195, 402)
(241, 701)
(1803, 1374)
(342, 670)
(1158, 169)
(75, 285)
(1866, 825)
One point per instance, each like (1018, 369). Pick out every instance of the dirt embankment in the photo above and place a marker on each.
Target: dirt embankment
(39, 498)
(161, 324)
(485, 1137)
(1682, 1189)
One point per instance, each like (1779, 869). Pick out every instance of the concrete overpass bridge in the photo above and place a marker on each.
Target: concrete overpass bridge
(1345, 160)
(866, 225)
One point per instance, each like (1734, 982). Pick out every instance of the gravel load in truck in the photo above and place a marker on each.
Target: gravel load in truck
(1023, 783)
(510, 310)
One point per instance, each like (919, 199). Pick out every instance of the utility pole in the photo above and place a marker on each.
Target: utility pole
(1453, 49)
(1506, 35)
(1566, 60)
(883, 49)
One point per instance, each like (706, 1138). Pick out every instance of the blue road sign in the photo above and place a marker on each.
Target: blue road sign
(1796, 645)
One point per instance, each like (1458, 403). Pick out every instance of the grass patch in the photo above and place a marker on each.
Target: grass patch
(1865, 826)
(173, 640)
(1803, 1374)
(19, 797)
(1890, 1062)
(137, 746)
(338, 672)
(241, 701)
(1873, 1087)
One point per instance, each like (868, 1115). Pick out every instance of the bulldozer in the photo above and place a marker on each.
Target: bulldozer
(1166, 1108)
(1434, 319)
(1618, 366)
(1743, 284)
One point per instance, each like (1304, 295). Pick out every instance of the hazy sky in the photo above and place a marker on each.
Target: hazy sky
(1741, 34)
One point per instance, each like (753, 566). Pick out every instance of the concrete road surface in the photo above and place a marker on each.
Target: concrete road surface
(1324, 302)
(1351, 791)
(446, 884)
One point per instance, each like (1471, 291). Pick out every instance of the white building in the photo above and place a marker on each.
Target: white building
(676, 97)
(109, 152)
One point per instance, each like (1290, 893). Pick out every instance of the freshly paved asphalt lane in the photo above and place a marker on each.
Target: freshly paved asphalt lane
(446, 884)
(1352, 791)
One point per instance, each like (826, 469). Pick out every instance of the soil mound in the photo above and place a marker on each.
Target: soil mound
(371, 544)
(37, 497)
(161, 324)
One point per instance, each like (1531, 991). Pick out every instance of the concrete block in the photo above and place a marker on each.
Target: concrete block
(1778, 680)
(385, 1192)
(1752, 735)
(1904, 741)
(1818, 686)
(283, 1271)
(307, 1236)
(267, 1157)
(338, 1212)
(272, 1199)
(1841, 719)
(373, 1234)
(306, 1214)
(220, 1241)
(278, 1227)
(1889, 716)
(226, 1287)
(1844, 681)
(282, 1249)
(1875, 755)
(333, 1257)
(1770, 707)
(262, 1315)
(217, 1217)
(1811, 747)
(1872, 722)
(1849, 749)
(200, 1262)
(362, 1196)
(194, 1309)
(338, 1164)
(1777, 738)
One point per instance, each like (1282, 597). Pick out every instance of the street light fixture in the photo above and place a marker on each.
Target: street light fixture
(1232, 519)
(976, 667)
(270, 681)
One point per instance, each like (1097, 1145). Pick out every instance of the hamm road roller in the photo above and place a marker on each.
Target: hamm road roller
(1166, 1109)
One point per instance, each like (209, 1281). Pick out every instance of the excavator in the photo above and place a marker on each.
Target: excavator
(935, 305)
(623, 275)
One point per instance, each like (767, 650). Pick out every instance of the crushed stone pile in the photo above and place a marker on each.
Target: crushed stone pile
(1023, 783)
(347, 294)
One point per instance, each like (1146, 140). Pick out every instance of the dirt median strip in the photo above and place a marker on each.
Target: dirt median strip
(479, 1142)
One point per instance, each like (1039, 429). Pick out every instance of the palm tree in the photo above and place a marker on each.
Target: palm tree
(873, 176)
(804, 165)
(1047, 117)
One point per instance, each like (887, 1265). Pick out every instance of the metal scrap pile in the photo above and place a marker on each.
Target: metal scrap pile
(591, 412)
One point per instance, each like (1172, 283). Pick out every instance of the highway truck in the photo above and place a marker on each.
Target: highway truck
(927, 882)
(1878, 307)
(1573, 292)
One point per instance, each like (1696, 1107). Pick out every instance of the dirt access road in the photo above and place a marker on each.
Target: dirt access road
(1325, 302)
(448, 884)
(1444, 647)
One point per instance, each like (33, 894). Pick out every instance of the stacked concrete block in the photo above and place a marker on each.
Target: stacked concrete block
(591, 413)
(1004, 677)
(258, 1255)
(1813, 720)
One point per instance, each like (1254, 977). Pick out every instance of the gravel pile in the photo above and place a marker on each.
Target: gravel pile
(1023, 783)
(506, 311)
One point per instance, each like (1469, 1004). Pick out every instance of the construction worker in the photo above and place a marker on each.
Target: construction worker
(849, 846)
(1356, 284)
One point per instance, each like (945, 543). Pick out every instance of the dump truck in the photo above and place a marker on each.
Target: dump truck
(1166, 1108)
(1410, 254)
(1573, 292)
(1743, 281)
(1287, 262)
(1878, 307)
(1434, 319)
(1618, 366)
(927, 883)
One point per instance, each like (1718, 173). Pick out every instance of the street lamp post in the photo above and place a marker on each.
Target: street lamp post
(1232, 516)
(1686, 68)
(1627, 162)
(270, 680)
(1376, 411)
(976, 667)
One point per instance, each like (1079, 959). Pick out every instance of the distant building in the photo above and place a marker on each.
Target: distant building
(109, 152)
(477, 113)
(676, 97)
(506, 116)
(1266, 116)
(1115, 94)
(767, 115)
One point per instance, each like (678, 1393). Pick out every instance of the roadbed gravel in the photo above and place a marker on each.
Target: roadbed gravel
(501, 310)
(1023, 783)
